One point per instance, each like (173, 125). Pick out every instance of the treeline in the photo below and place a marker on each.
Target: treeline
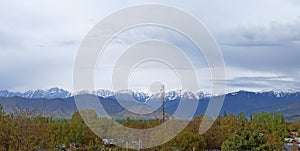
(29, 130)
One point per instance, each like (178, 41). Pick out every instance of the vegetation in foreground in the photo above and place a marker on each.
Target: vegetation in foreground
(31, 131)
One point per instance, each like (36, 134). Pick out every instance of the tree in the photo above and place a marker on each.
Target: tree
(265, 131)
(77, 128)
(213, 137)
(187, 141)
(247, 139)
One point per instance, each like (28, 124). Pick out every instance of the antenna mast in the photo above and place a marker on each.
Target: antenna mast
(164, 103)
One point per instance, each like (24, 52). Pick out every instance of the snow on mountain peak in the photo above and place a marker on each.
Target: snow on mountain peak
(141, 96)
(48, 94)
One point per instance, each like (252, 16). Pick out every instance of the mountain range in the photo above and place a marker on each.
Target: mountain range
(46, 94)
(61, 103)
(54, 93)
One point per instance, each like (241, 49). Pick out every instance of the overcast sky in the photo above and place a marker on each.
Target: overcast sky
(259, 40)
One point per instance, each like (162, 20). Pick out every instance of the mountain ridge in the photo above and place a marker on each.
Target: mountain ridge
(56, 92)
(287, 103)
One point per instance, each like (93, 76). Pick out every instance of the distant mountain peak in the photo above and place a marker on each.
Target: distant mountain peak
(51, 93)
(234, 102)
(141, 96)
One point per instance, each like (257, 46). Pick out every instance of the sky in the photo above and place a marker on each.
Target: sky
(259, 41)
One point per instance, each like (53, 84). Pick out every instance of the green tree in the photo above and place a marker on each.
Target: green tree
(187, 141)
(247, 139)
(265, 131)
(77, 128)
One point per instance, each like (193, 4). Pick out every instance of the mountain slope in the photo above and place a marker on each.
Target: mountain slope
(287, 103)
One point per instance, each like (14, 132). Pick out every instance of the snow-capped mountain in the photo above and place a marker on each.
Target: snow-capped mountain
(103, 93)
(279, 93)
(284, 102)
(139, 96)
(47, 94)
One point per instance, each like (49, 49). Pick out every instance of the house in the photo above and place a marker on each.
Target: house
(108, 142)
(292, 142)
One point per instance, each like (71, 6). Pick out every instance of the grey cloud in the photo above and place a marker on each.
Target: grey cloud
(39, 40)
(271, 49)
(38, 72)
(273, 34)
(263, 83)
(153, 32)
(282, 60)
(292, 2)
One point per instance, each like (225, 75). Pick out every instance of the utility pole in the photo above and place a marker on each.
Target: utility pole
(163, 103)
(140, 144)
